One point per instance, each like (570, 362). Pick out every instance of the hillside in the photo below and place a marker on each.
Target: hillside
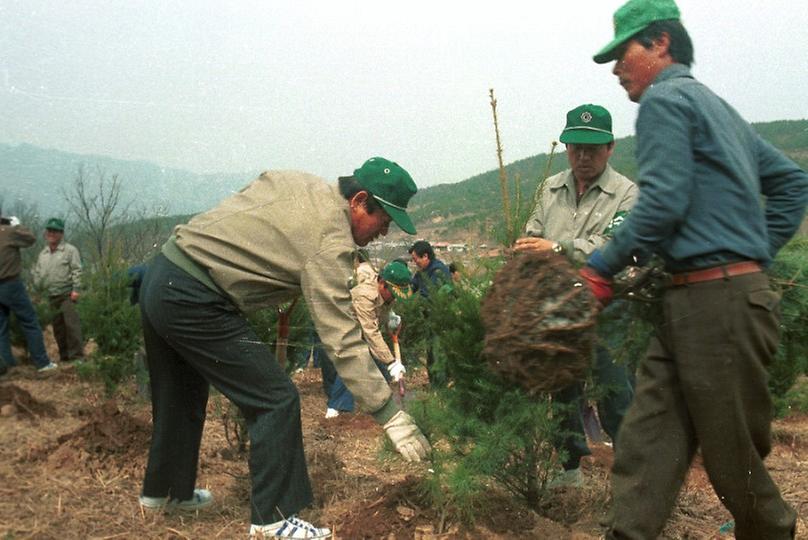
(471, 209)
(39, 176)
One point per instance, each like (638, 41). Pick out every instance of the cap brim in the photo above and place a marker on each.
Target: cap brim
(400, 218)
(585, 136)
(607, 53)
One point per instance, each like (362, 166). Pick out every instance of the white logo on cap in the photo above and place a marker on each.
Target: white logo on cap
(586, 117)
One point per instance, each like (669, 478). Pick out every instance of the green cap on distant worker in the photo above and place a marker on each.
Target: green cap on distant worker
(55, 224)
(632, 17)
(391, 185)
(396, 273)
(397, 276)
(588, 124)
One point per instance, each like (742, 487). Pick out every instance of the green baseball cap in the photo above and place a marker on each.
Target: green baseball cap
(391, 185)
(397, 277)
(632, 17)
(396, 273)
(588, 124)
(55, 224)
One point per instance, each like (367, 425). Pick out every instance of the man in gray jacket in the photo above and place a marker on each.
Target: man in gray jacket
(285, 234)
(58, 271)
(576, 212)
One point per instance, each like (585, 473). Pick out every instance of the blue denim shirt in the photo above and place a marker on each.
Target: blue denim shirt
(702, 171)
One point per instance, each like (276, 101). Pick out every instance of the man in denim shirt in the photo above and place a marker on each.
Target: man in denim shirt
(702, 171)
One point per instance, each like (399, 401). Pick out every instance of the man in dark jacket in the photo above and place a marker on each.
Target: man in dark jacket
(14, 298)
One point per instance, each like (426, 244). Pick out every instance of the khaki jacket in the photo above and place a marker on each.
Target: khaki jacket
(11, 240)
(370, 308)
(288, 233)
(581, 227)
(59, 272)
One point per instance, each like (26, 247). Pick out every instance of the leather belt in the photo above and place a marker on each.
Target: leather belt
(716, 272)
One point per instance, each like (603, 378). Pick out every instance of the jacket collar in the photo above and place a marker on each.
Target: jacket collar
(673, 71)
(606, 181)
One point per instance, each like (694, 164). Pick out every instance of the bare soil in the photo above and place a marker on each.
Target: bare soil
(71, 463)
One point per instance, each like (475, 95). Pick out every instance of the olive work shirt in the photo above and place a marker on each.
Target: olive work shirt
(11, 240)
(581, 226)
(289, 233)
(370, 308)
(702, 171)
(58, 271)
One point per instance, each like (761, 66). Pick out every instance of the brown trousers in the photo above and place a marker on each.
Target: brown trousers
(67, 328)
(703, 383)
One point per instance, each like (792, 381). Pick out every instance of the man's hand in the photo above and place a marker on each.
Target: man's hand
(533, 245)
(600, 286)
(396, 370)
(407, 437)
(393, 321)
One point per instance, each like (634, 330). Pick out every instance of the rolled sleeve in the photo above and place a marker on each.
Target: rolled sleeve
(324, 282)
(785, 186)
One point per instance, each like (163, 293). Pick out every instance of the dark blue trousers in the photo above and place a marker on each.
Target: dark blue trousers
(195, 337)
(14, 299)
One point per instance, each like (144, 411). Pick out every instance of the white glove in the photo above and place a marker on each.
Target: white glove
(396, 370)
(393, 321)
(407, 437)
(13, 221)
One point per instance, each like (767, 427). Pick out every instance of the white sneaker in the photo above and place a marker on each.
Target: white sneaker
(570, 478)
(292, 528)
(49, 367)
(331, 413)
(200, 499)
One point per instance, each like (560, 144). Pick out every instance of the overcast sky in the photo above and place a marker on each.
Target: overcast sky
(320, 86)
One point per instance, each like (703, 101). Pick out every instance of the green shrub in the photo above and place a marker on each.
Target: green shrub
(789, 275)
(483, 428)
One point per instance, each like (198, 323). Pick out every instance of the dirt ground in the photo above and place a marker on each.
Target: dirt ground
(71, 463)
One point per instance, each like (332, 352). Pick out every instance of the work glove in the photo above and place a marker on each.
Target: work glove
(600, 286)
(407, 437)
(396, 370)
(13, 221)
(393, 321)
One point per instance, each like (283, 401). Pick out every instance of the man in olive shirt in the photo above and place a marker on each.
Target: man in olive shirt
(58, 271)
(14, 298)
(576, 212)
(285, 234)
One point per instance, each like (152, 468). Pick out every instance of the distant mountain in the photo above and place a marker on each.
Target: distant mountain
(39, 176)
(471, 210)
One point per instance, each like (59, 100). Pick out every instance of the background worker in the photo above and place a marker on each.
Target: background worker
(372, 298)
(58, 272)
(576, 212)
(431, 275)
(716, 202)
(14, 298)
(285, 234)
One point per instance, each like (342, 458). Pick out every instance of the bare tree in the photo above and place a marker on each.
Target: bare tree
(97, 205)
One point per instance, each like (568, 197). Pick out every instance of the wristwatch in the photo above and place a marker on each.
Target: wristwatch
(558, 248)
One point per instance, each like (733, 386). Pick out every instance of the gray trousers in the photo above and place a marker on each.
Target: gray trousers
(703, 383)
(195, 337)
